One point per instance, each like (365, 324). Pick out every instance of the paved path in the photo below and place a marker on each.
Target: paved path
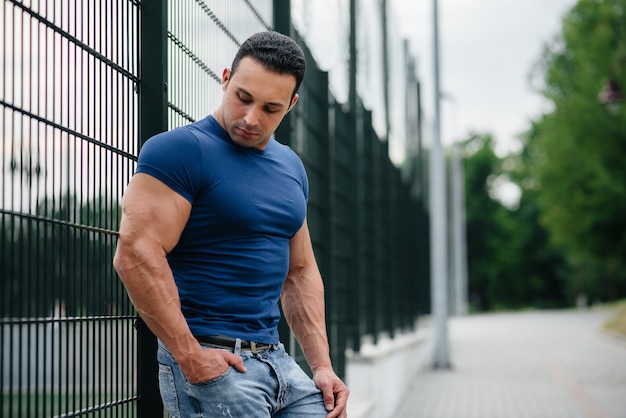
(548, 364)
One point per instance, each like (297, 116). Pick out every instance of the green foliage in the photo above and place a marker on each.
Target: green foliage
(577, 152)
(511, 265)
(482, 230)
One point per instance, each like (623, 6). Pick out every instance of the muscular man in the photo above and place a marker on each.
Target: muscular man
(213, 233)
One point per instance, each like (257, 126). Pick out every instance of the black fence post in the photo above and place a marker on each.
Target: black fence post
(153, 70)
(281, 10)
(149, 403)
(152, 120)
(282, 24)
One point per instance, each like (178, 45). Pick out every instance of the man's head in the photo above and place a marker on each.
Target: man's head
(260, 88)
(276, 52)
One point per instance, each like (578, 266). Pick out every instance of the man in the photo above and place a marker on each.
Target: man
(213, 233)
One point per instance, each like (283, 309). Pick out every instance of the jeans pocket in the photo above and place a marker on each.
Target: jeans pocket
(167, 387)
(212, 381)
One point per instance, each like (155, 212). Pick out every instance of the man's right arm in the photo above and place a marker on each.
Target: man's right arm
(153, 218)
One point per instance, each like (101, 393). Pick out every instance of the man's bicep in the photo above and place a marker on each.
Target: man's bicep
(152, 210)
(299, 246)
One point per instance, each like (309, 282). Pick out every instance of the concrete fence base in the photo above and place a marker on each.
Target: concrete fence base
(380, 375)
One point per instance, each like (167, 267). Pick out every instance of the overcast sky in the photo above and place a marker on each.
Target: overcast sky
(487, 51)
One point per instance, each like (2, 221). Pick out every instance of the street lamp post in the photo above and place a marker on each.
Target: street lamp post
(458, 251)
(438, 215)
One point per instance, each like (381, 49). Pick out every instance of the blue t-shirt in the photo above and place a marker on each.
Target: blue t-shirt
(233, 254)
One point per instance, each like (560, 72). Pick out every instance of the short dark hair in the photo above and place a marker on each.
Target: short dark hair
(276, 52)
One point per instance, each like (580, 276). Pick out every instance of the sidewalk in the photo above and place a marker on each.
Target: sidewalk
(548, 364)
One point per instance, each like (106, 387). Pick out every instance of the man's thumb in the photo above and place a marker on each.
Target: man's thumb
(237, 363)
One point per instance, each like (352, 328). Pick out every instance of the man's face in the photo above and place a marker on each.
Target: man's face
(254, 103)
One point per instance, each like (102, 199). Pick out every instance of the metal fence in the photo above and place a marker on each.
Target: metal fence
(84, 84)
(68, 118)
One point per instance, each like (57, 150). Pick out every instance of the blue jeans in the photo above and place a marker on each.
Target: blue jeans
(273, 386)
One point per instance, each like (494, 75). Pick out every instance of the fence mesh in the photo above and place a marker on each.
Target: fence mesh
(68, 110)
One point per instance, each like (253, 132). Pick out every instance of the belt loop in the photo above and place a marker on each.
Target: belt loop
(253, 347)
(237, 346)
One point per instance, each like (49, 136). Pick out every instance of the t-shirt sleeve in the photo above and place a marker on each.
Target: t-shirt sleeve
(305, 180)
(300, 170)
(173, 158)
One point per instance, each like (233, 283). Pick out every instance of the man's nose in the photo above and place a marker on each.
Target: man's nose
(252, 116)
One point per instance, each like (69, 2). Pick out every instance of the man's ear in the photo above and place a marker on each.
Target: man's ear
(293, 102)
(225, 78)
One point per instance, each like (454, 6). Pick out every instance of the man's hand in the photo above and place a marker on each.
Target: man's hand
(208, 364)
(335, 392)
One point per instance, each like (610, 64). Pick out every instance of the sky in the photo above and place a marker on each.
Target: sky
(487, 50)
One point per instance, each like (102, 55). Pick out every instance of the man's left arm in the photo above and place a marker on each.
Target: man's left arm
(303, 305)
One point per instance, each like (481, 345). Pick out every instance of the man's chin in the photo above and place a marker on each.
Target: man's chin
(253, 142)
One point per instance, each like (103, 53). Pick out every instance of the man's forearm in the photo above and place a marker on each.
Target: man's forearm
(153, 292)
(303, 306)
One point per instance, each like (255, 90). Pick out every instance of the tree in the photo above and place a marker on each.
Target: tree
(480, 163)
(511, 264)
(578, 150)
(543, 266)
